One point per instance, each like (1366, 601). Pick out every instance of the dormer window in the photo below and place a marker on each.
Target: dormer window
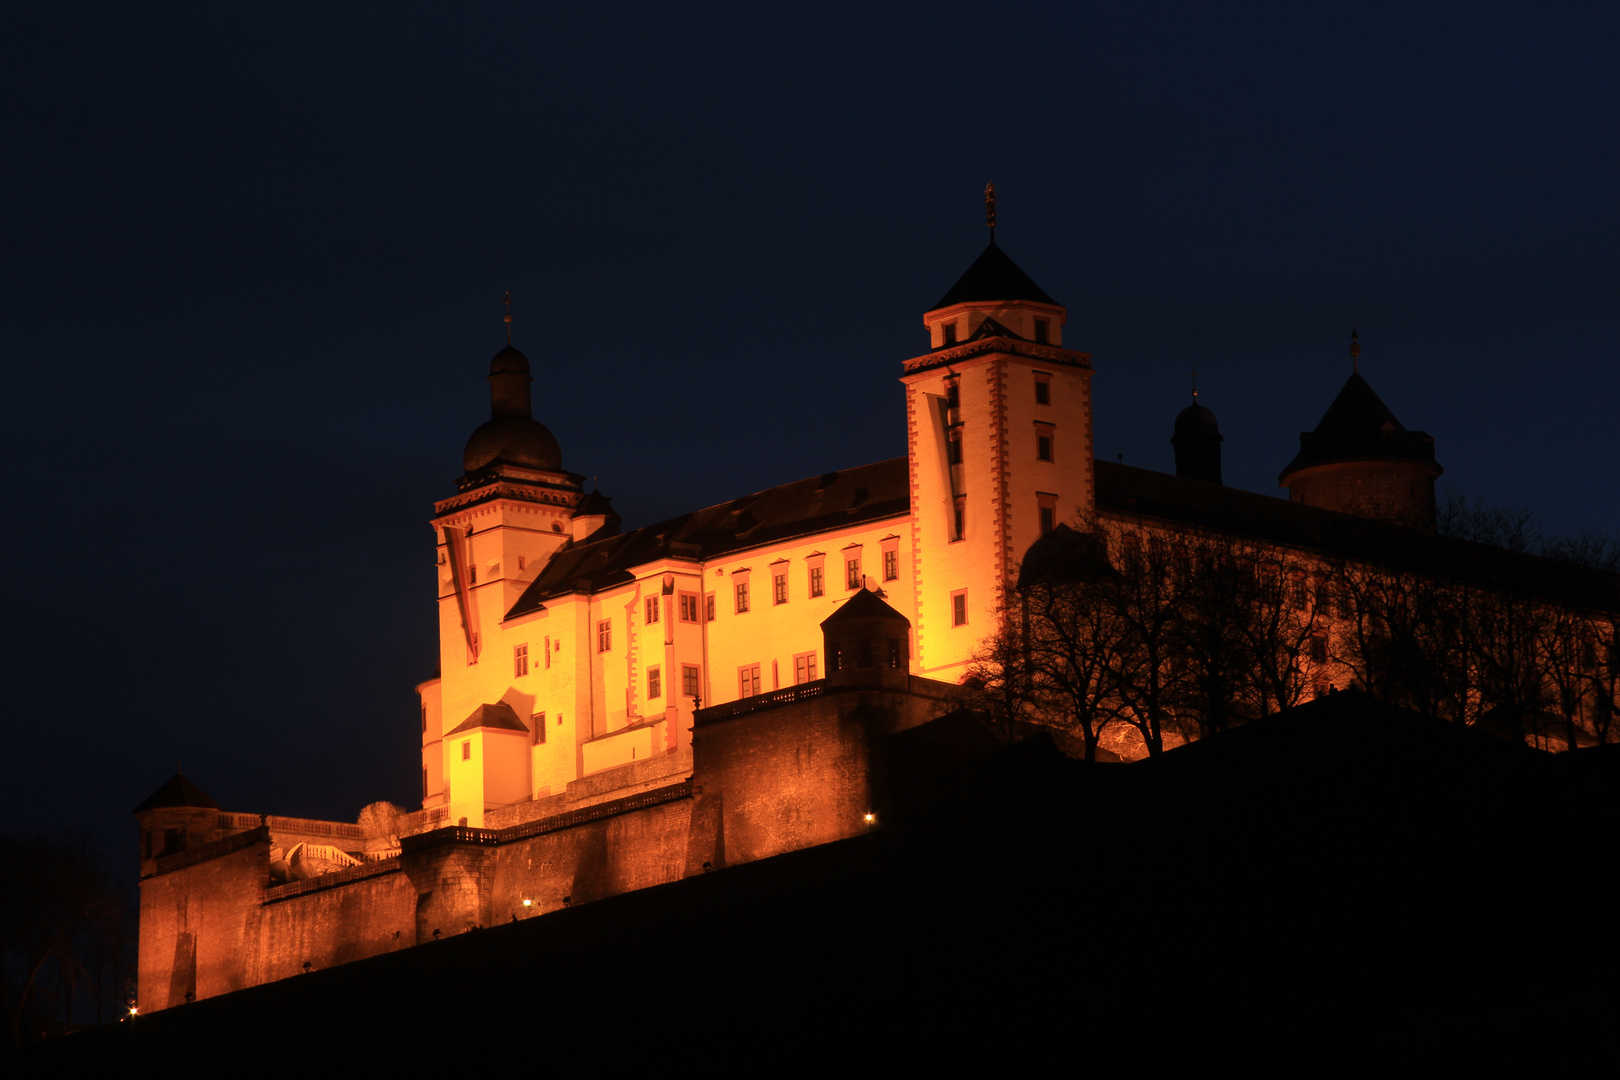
(949, 330)
(1042, 331)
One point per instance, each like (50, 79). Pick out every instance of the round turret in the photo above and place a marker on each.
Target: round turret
(512, 436)
(1197, 441)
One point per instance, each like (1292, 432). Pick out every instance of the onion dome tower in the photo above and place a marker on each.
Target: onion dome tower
(1361, 460)
(1197, 441)
(511, 436)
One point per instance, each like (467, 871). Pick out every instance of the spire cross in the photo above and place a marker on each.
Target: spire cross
(990, 207)
(507, 300)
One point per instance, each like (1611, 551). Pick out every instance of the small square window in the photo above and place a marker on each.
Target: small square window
(604, 636)
(959, 608)
(652, 609)
(742, 597)
(655, 682)
(852, 572)
(818, 582)
(689, 680)
(520, 660)
(891, 565)
(779, 587)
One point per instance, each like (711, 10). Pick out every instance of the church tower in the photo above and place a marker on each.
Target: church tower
(514, 508)
(998, 437)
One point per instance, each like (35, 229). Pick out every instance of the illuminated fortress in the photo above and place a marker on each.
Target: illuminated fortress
(617, 710)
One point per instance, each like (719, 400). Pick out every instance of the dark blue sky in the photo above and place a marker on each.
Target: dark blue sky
(253, 261)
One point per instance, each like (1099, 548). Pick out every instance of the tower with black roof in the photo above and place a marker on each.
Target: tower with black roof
(1197, 442)
(998, 425)
(1361, 460)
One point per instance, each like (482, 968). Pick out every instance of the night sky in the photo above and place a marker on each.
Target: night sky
(253, 262)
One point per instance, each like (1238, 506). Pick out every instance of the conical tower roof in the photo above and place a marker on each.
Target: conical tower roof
(176, 791)
(1358, 426)
(994, 277)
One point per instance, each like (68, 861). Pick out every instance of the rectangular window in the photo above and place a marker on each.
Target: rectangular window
(953, 395)
(818, 584)
(1043, 332)
(537, 729)
(522, 562)
(748, 680)
(466, 749)
(953, 448)
(548, 650)
(742, 597)
(959, 608)
(689, 607)
(655, 682)
(424, 719)
(652, 609)
(1043, 390)
(804, 668)
(779, 587)
(852, 572)
(472, 574)
(689, 680)
(708, 607)
(891, 565)
(959, 518)
(520, 660)
(604, 636)
(949, 333)
(1047, 511)
(1044, 436)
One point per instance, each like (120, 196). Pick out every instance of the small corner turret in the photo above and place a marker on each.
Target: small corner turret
(867, 643)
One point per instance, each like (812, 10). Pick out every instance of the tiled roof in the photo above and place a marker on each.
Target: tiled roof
(832, 501)
(498, 715)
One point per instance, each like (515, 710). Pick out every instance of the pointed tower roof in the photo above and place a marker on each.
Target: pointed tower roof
(176, 791)
(865, 604)
(1358, 426)
(994, 277)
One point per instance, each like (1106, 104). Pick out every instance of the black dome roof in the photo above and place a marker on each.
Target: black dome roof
(1196, 420)
(515, 440)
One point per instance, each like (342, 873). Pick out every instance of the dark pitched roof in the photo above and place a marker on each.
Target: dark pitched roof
(1358, 426)
(176, 791)
(834, 500)
(865, 604)
(1122, 489)
(498, 715)
(993, 276)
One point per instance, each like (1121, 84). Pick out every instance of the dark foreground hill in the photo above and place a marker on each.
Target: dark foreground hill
(1346, 878)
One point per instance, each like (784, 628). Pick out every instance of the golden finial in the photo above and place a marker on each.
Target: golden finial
(990, 207)
(1355, 353)
(507, 300)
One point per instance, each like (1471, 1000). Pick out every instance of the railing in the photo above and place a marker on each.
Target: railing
(742, 706)
(327, 881)
(306, 826)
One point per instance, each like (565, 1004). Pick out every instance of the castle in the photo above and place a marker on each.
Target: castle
(618, 709)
